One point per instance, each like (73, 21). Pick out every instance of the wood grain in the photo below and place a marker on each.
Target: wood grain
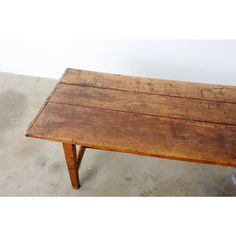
(153, 117)
(139, 134)
(71, 160)
(155, 86)
(80, 156)
(151, 104)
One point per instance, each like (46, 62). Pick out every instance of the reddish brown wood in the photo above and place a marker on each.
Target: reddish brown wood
(80, 156)
(71, 160)
(139, 134)
(212, 92)
(162, 118)
(145, 103)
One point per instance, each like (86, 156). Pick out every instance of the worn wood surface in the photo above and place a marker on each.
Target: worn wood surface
(71, 161)
(80, 156)
(153, 117)
(155, 86)
(151, 104)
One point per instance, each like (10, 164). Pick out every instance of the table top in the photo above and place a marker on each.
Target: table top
(153, 117)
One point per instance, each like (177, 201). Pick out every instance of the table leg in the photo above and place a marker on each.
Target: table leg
(80, 155)
(71, 160)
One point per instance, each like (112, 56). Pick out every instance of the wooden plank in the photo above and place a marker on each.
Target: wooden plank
(184, 108)
(139, 134)
(46, 101)
(155, 86)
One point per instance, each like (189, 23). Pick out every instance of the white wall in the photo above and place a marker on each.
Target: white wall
(212, 61)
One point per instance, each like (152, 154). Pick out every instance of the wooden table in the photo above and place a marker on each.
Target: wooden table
(160, 118)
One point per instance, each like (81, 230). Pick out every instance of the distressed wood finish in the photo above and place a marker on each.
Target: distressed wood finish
(139, 134)
(71, 161)
(154, 86)
(153, 117)
(149, 104)
(80, 156)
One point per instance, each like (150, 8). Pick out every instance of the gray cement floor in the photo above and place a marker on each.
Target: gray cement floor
(32, 167)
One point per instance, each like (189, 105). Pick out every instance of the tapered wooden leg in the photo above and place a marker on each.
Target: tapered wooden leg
(80, 155)
(71, 160)
(73, 163)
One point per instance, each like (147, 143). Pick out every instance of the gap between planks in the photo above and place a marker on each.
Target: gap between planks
(144, 114)
(160, 94)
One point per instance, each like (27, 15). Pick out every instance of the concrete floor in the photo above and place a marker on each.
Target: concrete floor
(32, 167)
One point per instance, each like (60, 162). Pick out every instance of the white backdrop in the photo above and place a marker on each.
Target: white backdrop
(210, 61)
